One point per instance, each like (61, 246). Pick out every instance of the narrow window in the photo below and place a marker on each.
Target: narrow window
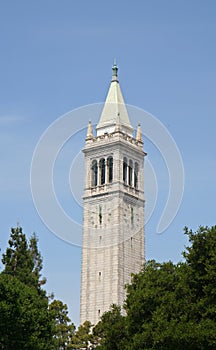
(125, 170)
(130, 172)
(94, 173)
(136, 175)
(98, 312)
(132, 215)
(102, 171)
(110, 169)
(100, 215)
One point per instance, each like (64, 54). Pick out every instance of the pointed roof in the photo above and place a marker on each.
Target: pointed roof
(114, 111)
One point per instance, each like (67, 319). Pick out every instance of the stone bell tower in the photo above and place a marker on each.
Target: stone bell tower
(113, 207)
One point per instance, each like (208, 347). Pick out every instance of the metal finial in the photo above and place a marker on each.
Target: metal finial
(114, 71)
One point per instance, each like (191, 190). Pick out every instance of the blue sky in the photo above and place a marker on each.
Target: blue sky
(57, 56)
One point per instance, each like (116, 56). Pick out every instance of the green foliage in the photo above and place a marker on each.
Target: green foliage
(110, 331)
(27, 321)
(201, 259)
(23, 260)
(63, 330)
(83, 337)
(24, 321)
(169, 306)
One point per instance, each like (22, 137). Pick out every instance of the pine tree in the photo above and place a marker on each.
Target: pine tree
(25, 321)
(23, 260)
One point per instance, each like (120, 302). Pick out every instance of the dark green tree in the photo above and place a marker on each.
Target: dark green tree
(110, 332)
(24, 319)
(169, 306)
(156, 307)
(83, 338)
(23, 260)
(63, 329)
(201, 278)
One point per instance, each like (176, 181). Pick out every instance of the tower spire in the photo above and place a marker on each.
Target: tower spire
(114, 110)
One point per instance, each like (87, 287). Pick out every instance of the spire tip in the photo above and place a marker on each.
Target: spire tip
(114, 71)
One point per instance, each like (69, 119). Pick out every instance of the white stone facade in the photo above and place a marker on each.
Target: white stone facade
(113, 220)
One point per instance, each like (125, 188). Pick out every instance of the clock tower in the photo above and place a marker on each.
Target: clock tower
(113, 207)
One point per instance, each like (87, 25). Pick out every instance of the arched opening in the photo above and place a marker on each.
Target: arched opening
(102, 171)
(125, 170)
(94, 173)
(136, 170)
(110, 169)
(130, 172)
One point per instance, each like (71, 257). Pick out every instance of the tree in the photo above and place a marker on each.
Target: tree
(110, 331)
(156, 306)
(169, 306)
(201, 278)
(27, 319)
(23, 260)
(62, 328)
(83, 338)
(24, 319)
(201, 259)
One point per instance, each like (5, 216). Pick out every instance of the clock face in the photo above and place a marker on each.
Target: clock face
(128, 214)
(131, 216)
(102, 215)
